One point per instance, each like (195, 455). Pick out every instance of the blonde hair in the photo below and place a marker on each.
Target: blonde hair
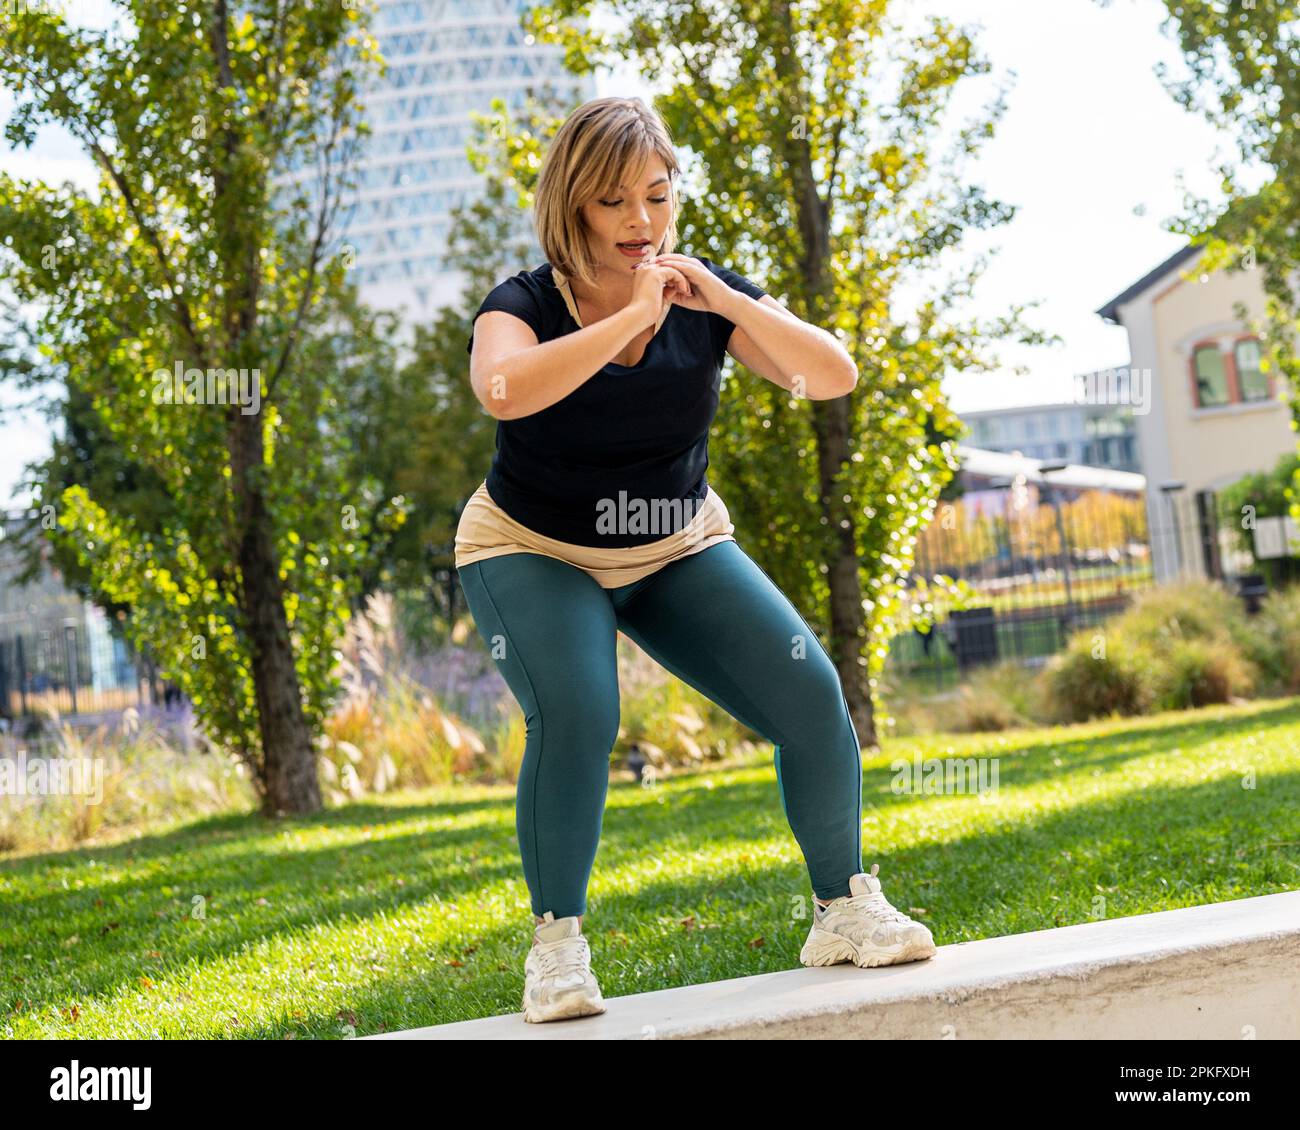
(587, 158)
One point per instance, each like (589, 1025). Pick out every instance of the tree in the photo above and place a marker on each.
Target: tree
(1244, 62)
(821, 186)
(83, 453)
(189, 299)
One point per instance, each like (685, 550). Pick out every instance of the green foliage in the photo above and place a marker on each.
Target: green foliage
(833, 208)
(1260, 494)
(1189, 609)
(418, 426)
(1274, 640)
(1243, 75)
(414, 423)
(193, 255)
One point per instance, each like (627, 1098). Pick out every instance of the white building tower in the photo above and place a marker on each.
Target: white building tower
(445, 59)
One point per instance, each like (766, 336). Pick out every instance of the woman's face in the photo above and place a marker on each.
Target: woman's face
(634, 212)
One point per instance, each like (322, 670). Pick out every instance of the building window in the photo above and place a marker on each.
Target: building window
(1250, 377)
(1211, 376)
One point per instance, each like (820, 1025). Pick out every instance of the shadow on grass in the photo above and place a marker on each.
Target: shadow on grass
(1019, 766)
(149, 907)
(1150, 849)
(1131, 738)
(1142, 853)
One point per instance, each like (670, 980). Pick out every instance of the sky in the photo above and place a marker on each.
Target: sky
(1090, 151)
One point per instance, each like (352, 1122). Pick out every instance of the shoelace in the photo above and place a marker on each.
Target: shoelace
(568, 955)
(875, 903)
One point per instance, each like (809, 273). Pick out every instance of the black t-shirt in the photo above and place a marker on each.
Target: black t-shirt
(621, 460)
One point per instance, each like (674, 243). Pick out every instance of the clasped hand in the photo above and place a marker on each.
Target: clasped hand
(707, 292)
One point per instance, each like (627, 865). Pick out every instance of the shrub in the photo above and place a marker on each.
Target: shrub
(1184, 644)
(1274, 642)
(148, 778)
(1192, 609)
(998, 696)
(1199, 638)
(1082, 685)
(1197, 673)
(973, 712)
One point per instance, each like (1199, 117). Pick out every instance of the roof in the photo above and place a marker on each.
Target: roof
(998, 464)
(1019, 409)
(1110, 311)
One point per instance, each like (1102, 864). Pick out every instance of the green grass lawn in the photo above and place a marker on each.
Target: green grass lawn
(413, 911)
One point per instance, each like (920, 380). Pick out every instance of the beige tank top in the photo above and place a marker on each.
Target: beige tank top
(485, 530)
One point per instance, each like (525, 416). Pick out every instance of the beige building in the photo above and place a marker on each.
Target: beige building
(1205, 413)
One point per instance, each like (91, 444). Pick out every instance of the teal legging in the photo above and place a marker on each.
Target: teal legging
(717, 622)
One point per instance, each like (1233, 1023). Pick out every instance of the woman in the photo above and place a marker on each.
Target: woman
(602, 367)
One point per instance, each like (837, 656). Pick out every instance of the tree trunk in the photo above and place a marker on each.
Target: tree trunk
(288, 755)
(453, 586)
(848, 634)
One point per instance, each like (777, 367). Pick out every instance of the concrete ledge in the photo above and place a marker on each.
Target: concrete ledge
(1221, 971)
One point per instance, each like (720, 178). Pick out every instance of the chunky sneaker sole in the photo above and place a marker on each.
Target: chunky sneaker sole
(558, 982)
(824, 947)
(864, 928)
(564, 1006)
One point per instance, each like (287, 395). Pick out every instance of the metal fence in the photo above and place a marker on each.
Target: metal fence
(1045, 562)
(73, 670)
(1050, 563)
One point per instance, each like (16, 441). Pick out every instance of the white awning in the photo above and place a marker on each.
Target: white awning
(1001, 464)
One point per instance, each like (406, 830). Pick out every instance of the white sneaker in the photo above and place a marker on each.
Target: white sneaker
(862, 927)
(558, 982)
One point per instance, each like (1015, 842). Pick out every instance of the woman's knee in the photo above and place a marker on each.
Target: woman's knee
(579, 721)
(811, 699)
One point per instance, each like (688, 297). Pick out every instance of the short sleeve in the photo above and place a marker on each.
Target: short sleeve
(516, 297)
(721, 328)
(735, 281)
